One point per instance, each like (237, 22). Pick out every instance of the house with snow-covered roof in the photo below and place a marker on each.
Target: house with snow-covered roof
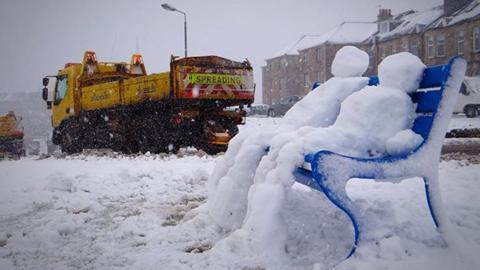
(280, 75)
(317, 55)
(400, 33)
(434, 35)
(291, 71)
(457, 32)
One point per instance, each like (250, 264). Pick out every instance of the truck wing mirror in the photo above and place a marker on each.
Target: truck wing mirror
(45, 93)
(45, 81)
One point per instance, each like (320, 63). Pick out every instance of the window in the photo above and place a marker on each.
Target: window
(61, 89)
(371, 59)
(388, 50)
(302, 58)
(460, 42)
(283, 84)
(318, 55)
(384, 27)
(305, 80)
(319, 76)
(430, 47)
(441, 45)
(381, 52)
(404, 46)
(476, 39)
(414, 47)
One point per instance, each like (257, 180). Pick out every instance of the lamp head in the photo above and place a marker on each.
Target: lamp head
(168, 7)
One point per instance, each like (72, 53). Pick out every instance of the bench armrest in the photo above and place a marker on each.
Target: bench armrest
(355, 167)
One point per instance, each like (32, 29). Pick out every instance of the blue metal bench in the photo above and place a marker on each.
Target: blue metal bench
(440, 84)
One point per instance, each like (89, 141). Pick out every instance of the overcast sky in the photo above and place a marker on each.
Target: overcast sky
(37, 37)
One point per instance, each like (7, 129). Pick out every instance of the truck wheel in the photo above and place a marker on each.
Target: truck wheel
(470, 111)
(70, 143)
(232, 130)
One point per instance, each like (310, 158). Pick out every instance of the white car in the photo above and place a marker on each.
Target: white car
(468, 101)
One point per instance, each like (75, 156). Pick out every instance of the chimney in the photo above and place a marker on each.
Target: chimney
(385, 14)
(384, 19)
(450, 6)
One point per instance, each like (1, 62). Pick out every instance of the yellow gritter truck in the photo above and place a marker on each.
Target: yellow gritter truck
(11, 135)
(118, 106)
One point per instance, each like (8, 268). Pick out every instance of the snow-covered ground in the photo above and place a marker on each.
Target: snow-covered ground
(126, 212)
(459, 121)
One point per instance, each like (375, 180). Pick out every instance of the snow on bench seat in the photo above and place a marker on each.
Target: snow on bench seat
(329, 172)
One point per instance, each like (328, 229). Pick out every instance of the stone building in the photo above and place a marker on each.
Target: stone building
(434, 35)
(457, 32)
(317, 57)
(293, 70)
(400, 33)
(280, 76)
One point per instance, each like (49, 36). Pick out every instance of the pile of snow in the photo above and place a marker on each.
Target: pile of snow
(126, 213)
(349, 62)
(403, 142)
(230, 182)
(142, 212)
(462, 122)
(250, 190)
(401, 71)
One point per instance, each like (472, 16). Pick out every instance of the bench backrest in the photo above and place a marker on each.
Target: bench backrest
(427, 97)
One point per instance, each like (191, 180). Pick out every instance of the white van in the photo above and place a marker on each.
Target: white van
(468, 101)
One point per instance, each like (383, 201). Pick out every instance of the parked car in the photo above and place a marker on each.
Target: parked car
(279, 109)
(258, 109)
(468, 101)
(315, 85)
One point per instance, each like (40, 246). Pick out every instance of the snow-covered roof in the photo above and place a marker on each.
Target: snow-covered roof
(292, 49)
(345, 33)
(470, 11)
(412, 22)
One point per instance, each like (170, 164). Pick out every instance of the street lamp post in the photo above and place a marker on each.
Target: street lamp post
(170, 8)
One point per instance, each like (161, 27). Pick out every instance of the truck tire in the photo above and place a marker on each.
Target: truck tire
(69, 144)
(70, 141)
(470, 111)
(232, 130)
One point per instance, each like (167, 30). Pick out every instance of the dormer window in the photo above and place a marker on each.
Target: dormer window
(384, 27)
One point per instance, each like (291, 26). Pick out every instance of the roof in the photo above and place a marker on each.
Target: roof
(292, 49)
(345, 33)
(412, 22)
(468, 12)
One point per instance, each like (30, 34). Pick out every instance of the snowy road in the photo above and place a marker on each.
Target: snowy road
(90, 212)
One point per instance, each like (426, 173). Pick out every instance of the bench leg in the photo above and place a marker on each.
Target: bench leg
(342, 201)
(431, 202)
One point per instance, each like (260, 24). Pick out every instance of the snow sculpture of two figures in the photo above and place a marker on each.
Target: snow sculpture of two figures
(247, 189)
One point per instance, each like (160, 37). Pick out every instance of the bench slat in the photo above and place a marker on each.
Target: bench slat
(434, 77)
(423, 125)
(427, 102)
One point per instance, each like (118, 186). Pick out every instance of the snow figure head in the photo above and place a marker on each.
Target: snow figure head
(401, 71)
(349, 62)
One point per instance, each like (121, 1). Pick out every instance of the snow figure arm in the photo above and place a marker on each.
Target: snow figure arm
(319, 108)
